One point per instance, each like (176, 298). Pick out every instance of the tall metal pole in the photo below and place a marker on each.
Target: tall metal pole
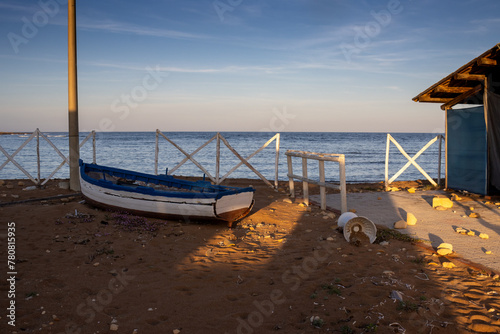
(74, 140)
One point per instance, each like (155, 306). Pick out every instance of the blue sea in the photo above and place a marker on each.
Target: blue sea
(364, 153)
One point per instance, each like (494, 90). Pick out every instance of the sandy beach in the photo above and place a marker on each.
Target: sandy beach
(285, 268)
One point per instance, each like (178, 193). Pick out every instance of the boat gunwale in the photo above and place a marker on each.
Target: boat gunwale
(201, 189)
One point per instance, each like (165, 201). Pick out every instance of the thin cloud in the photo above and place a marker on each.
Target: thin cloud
(123, 28)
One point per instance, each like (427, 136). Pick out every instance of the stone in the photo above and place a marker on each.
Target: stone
(287, 200)
(20, 184)
(302, 205)
(30, 188)
(384, 243)
(444, 202)
(471, 233)
(444, 251)
(176, 331)
(401, 224)
(456, 198)
(330, 239)
(484, 236)
(446, 246)
(396, 295)
(2, 182)
(488, 252)
(410, 219)
(461, 230)
(393, 189)
(411, 190)
(9, 186)
(474, 215)
(113, 327)
(448, 265)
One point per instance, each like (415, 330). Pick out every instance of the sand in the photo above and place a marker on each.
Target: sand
(284, 268)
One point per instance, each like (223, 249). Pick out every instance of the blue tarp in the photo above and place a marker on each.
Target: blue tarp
(467, 150)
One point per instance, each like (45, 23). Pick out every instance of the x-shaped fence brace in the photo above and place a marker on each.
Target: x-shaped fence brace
(219, 137)
(38, 133)
(411, 160)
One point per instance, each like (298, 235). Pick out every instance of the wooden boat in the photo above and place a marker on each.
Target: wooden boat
(162, 196)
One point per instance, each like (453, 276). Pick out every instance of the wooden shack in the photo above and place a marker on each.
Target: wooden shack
(473, 129)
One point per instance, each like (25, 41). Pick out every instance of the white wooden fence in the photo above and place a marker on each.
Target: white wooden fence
(411, 160)
(321, 158)
(65, 159)
(218, 138)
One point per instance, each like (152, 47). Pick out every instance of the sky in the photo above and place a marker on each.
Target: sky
(237, 65)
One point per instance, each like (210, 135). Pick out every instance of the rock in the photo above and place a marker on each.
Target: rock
(488, 252)
(384, 243)
(388, 272)
(20, 184)
(30, 188)
(330, 239)
(448, 265)
(445, 202)
(393, 189)
(176, 331)
(331, 215)
(440, 208)
(410, 219)
(446, 246)
(471, 233)
(456, 198)
(474, 215)
(64, 185)
(444, 251)
(461, 230)
(113, 327)
(2, 182)
(14, 196)
(65, 200)
(9, 186)
(411, 190)
(302, 205)
(396, 295)
(484, 236)
(400, 224)
(471, 208)
(287, 200)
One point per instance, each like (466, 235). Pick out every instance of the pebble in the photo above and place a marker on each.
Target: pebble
(176, 331)
(287, 200)
(396, 295)
(20, 184)
(113, 327)
(411, 219)
(471, 233)
(388, 272)
(461, 230)
(330, 239)
(400, 224)
(441, 208)
(484, 236)
(411, 190)
(96, 264)
(30, 188)
(9, 186)
(384, 243)
(2, 182)
(488, 252)
(474, 215)
(442, 201)
(448, 265)
(302, 205)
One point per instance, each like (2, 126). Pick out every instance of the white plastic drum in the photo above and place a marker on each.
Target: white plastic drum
(360, 229)
(345, 217)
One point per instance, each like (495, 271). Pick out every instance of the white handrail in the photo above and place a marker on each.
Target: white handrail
(321, 158)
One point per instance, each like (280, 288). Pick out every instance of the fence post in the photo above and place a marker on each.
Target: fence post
(290, 177)
(343, 190)
(388, 145)
(322, 188)
(305, 184)
(38, 156)
(94, 160)
(217, 159)
(157, 152)
(439, 159)
(277, 162)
